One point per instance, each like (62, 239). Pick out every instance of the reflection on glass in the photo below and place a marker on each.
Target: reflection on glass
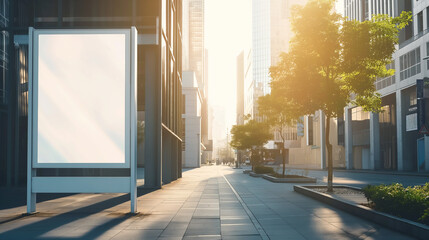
(81, 98)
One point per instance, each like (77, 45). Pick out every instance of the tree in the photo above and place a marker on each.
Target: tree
(333, 62)
(251, 135)
(279, 115)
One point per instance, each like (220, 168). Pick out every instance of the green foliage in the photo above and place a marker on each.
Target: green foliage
(333, 62)
(277, 113)
(263, 170)
(256, 158)
(251, 134)
(410, 202)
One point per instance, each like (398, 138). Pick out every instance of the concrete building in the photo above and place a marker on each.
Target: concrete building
(195, 58)
(159, 79)
(192, 146)
(240, 89)
(308, 151)
(389, 140)
(248, 84)
(240, 116)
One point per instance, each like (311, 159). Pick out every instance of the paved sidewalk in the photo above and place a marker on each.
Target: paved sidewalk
(215, 202)
(359, 178)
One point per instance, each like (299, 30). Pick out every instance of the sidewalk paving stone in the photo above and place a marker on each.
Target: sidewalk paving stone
(201, 205)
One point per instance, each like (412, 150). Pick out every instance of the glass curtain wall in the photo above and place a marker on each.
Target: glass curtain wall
(145, 15)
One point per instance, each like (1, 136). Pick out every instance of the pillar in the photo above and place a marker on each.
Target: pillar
(399, 130)
(322, 140)
(374, 141)
(153, 126)
(348, 138)
(166, 157)
(175, 158)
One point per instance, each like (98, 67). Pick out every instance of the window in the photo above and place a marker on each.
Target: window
(381, 83)
(341, 131)
(420, 22)
(183, 103)
(358, 114)
(183, 134)
(410, 64)
(285, 9)
(366, 10)
(427, 54)
(427, 17)
(310, 131)
(413, 98)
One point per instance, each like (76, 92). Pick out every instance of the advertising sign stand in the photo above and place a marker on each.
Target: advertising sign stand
(102, 106)
(133, 113)
(31, 196)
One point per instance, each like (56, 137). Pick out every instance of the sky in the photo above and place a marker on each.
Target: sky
(228, 30)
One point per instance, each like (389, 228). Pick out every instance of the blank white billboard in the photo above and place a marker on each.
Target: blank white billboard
(81, 88)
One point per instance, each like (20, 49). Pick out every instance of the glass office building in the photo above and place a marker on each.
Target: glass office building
(159, 73)
(261, 47)
(392, 135)
(271, 33)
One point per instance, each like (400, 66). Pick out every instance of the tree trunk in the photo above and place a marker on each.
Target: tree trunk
(252, 159)
(329, 150)
(283, 159)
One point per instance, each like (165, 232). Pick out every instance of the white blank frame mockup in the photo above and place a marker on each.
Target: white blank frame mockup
(81, 105)
(82, 109)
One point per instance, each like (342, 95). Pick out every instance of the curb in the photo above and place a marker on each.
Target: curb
(395, 173)
(402, 225)
(289, 180)
(256, 174)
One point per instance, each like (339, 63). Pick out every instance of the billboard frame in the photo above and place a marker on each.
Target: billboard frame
(87, 184)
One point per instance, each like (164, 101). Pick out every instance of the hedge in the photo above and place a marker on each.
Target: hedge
(263, 170)
(411, 202)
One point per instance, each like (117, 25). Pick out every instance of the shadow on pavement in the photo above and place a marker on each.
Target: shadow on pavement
(17, 197)
(37, 229)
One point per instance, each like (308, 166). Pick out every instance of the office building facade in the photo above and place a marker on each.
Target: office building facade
(195, 59)
(159, 79)
(388, 140)
(271, 33)
(240, 89)
(192, 99)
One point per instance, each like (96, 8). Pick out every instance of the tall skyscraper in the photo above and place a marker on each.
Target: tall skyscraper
(240, 89)
(193, 39)
(271, 33)
(195, 59)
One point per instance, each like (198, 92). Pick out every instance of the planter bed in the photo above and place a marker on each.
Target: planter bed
(290, 179)
(256, 174)
(408, 227)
